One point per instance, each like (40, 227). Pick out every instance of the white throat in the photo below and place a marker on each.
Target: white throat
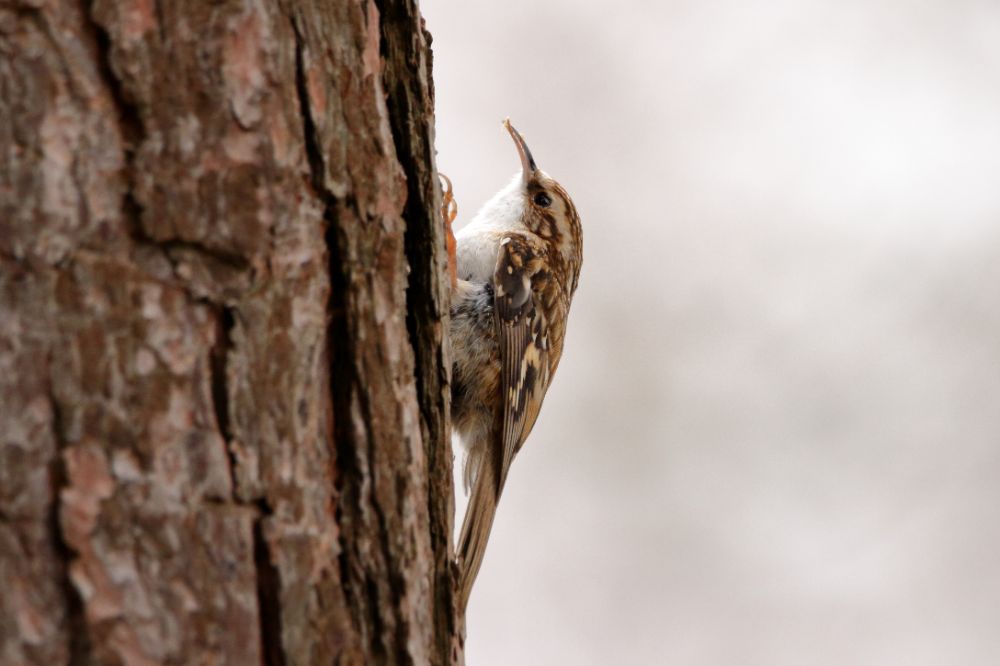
(479, 241)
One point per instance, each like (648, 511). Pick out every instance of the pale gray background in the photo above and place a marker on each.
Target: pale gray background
(774, 435)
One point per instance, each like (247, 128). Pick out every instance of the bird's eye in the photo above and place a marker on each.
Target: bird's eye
(542, 199)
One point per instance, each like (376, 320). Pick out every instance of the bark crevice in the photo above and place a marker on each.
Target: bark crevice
(129, 118)
(314, 153)
(77, 629)
(268, 593)
(405, 48)
(360, 602)
(218, 358)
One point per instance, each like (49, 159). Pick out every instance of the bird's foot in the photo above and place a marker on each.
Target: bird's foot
(449, 211)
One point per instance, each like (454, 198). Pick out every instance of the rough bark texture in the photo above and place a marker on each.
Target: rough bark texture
(223, 372)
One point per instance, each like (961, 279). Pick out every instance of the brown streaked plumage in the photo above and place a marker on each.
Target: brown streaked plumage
(518, 265)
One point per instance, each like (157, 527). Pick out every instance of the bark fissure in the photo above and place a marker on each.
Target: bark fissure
(362, 603)
(218, 364)
(314, 154)
(174, 246)
(129, 119)
(416, 212)
(341, 370)
(268, 593)
(367, 597)
(405, 47)
(76, 624)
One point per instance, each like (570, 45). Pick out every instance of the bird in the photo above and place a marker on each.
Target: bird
(516, 266)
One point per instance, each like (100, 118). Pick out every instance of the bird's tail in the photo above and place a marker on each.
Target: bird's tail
(476, 526)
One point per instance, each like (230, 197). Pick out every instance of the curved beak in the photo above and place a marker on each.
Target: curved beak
(528, 167)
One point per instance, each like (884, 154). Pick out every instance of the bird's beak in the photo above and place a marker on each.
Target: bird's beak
(528, 167)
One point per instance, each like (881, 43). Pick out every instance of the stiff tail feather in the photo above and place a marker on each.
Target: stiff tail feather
(477, 525)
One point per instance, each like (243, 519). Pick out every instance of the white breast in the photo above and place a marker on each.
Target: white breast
(479, 241)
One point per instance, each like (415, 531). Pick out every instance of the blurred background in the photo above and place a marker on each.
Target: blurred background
(775, 434)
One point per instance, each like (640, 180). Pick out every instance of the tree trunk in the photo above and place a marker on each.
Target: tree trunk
(223, 372)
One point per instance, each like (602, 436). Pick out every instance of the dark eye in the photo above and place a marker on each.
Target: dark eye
(542, 199)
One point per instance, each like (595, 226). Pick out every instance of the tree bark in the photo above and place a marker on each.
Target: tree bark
(223, 365)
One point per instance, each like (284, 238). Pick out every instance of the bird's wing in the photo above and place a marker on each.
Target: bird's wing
(524, 368)
(524, 376)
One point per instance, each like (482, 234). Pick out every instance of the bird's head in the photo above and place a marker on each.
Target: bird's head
(545, 208)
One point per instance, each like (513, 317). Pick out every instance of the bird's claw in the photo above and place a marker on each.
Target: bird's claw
(449, 211)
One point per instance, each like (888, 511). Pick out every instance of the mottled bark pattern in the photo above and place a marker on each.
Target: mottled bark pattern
(223, 374)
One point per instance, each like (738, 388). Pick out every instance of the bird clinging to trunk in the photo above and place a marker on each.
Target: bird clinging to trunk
(518, 264)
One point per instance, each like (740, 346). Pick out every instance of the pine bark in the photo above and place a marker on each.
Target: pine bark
(223, 370)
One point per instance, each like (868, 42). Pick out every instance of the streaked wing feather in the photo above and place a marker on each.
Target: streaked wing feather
(523, 346)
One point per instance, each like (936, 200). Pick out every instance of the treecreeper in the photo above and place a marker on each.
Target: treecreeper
(515, 268)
